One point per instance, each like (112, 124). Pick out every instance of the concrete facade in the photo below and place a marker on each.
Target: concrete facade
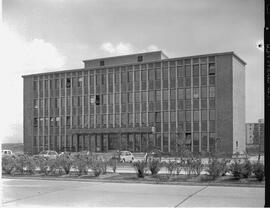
(139, 102)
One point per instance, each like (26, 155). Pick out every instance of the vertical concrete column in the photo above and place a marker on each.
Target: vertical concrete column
(161, 90)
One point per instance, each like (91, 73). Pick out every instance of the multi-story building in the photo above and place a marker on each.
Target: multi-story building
(139, 102)
(255, 137)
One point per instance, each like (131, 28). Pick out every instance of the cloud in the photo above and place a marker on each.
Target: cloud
(19, 57)
(124, 48)
(118, 49)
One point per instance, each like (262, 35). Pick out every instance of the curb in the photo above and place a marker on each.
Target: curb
(136, 182)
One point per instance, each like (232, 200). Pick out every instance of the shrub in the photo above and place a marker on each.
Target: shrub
(65, 162)
(97, 167)
(236, 169)
(140, 167)
(8, 164)
(214, 168)
(42, 163)
(80, 162)
(179, 166)
(196, 166)
(113, 164)
(246, 169)
(171, 166)
(25, 164)
(188, 166)
(258, 170)
(154, 166)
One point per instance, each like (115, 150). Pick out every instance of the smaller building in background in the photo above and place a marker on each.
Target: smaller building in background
(255, 137)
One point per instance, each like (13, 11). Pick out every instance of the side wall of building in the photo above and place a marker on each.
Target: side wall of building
(239, 143)
(27, 114)
(224, 104)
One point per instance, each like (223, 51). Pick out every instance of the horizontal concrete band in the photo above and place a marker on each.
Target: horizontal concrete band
(110, 130)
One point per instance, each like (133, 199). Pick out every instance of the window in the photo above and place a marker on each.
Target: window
(97, 100)
(204, 92)
(203, 81)
(187, 82)
(35, 85)
(203, 104)
(203, 70)
(68, 83)
(195, 70)
(140, 58)
(212, 92)
(151, 95)
(181, 94)
(211, 68)
(188, 104)
(204, 115)
(165, 94)
(195, 81)
(35, 122)
(212, 80)
(188, 115)
(130, 76)
(196, 104)
(165, 74)
(212, 103)
(181, 115)
(188, 93)
(151, 74)
(196, 115)
(180, 71)
(36, 103)
(101, 63)
(187, 71)
(173, 94)
(196, 93)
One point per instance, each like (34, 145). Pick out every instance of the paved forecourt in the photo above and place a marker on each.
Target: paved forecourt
(33, 193)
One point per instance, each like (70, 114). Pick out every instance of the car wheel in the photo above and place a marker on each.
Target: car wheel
(123, 160)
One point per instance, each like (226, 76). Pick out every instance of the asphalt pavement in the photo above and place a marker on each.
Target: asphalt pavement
(51, 193)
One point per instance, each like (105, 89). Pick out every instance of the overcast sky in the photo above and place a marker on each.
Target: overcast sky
(47, 35)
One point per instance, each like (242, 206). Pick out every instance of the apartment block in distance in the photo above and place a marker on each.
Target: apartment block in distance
(255, 137)
(139, 102)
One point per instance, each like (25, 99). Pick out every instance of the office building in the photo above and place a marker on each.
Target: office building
(139, 102)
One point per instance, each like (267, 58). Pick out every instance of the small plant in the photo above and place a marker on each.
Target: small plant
(214, 168)
(97, 167)
(65, 162)
(171, 166)
(113, 164)
(236, 169)
(258, 170)
(140, 167)
(197, 166)
(246, 169)
(8, 164)
(154, 166)
(179, 166)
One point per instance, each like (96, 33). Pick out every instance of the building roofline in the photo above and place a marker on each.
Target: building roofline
(133, 54)
(126, 64)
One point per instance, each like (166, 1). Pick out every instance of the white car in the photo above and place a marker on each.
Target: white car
(7, 152)
(50, 154)
(126, 156)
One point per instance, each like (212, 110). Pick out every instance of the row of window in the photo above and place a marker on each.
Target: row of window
(137, 107)
(78, 82)
(131, 142)
(128, 97)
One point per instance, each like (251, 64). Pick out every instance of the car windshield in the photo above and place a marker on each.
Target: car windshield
(42, 152)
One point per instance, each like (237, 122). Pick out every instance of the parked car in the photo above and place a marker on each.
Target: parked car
(7, 152)
(126, 156)
(49, 154)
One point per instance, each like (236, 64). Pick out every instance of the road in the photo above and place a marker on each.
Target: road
(51, 193)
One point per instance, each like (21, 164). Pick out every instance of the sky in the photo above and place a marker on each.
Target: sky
(48, 35)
